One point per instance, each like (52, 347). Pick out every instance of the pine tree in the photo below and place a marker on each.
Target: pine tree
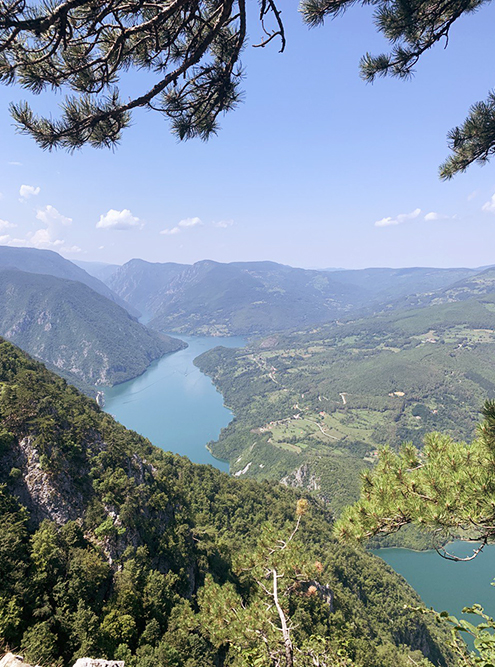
(447, 488)
(413, 27)
(191, 47)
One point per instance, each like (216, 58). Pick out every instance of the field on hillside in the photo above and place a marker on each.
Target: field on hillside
(314, 407)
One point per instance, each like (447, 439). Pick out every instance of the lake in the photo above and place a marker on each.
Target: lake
(173, 404)
(447, 585)
(179, 409)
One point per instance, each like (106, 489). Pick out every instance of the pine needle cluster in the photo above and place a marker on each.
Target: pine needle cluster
(448, 487)
(191, 47)
(413, 27)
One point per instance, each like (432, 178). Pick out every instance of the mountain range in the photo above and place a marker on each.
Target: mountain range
(48, 262)
(72, 321)
(251, 298)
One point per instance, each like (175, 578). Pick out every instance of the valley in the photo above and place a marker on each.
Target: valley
(402, 376)
(308, 402)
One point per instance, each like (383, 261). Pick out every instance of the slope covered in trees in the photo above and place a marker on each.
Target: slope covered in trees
(259, 297)
(34, 260)
(111, 547)
(76, 330)
(312, 407)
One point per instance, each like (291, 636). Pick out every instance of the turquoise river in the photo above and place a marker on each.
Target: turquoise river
(179, 409)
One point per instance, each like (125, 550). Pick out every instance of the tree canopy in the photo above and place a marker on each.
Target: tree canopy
(447, 487)
(192, 49)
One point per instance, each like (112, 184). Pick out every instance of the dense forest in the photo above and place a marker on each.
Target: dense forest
(112, 548)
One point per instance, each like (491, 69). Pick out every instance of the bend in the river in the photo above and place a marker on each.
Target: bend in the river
(178, 408)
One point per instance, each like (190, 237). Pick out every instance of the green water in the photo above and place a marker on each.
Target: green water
(447, 585)
(174, 404)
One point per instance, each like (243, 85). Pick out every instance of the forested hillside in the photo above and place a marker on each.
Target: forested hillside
(211, 298)
(51, 263)
(113, 548)
(311, 408)
(77, 331)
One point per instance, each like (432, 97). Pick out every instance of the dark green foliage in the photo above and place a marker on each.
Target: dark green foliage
(117, 565)
(448, 487)
(192, 49)
(86, 336)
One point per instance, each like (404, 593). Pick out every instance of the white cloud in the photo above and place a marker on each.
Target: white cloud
(398, 220)
(489, 206)
(71, 249)
(190, 222)
(44, 237)
(50, 216)
(473, 195)
(15, 164)
(436, 216)
(5, 224)
(223, 224)
(183, 224)
(27, 191)
(121, 220)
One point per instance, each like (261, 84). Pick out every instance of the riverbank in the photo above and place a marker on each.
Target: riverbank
(175, 405)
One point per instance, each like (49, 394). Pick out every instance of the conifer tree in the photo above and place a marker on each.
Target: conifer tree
(191, 51)
(447, 488)
(412, 27)
(258, 625)
(191, 47)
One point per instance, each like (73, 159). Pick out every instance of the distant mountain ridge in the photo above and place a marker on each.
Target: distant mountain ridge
(77, 331)
(476, 286)
(238, 298)
(212, 298)
(384, 283)
(48, 262)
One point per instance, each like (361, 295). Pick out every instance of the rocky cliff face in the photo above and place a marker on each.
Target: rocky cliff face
(46, 495)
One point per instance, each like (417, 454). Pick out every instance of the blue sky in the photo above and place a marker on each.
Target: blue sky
(300, 173)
